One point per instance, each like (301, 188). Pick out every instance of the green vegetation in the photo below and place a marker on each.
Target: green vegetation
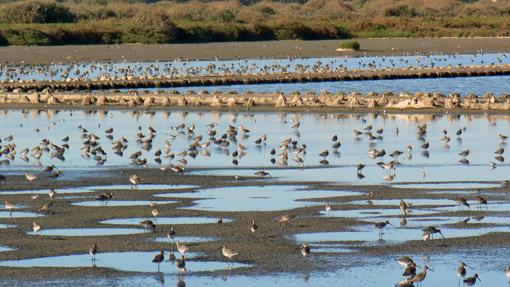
(48, 22)
(351, 45)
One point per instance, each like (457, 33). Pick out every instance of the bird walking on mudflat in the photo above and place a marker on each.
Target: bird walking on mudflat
(93, 251)
(229, 254)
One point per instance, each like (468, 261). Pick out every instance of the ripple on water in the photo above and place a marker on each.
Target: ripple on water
(166, 220)
(256, 198)
(86, 189)
(88, 231)
(121, 202)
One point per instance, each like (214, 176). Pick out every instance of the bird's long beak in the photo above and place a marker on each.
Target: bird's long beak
(431, 269)
(442, 235)
(479, 279)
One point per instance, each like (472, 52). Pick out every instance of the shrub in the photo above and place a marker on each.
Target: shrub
(152, 26)
(353, 45)
(35, 12)
(400, 11)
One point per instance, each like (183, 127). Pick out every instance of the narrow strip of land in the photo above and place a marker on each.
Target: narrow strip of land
(235, 79)
(232, 50)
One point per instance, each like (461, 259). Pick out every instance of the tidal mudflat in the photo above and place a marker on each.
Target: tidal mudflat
(253, 197)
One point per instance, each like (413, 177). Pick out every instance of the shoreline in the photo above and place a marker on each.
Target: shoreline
(249, 50)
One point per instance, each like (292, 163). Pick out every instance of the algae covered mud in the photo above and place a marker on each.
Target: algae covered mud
(297, 184)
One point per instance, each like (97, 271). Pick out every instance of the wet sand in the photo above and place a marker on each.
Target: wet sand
(231, 50)
(268, 250)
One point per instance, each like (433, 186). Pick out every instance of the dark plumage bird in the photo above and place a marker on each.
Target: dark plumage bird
(470, 281)
(93, 251)
(159, 258)
(181, 264)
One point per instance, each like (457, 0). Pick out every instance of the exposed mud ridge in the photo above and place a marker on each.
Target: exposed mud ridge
(128, 82)
(271, 101)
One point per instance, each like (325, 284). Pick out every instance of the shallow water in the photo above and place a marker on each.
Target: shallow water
(19, 214)
(179, 68)
(121, 203)
(87, 189)
(392, 235)
(462, 85)
(185, 239)
(448, 185)
(316, 131)
(87, 231)
(354, 270)
(166, 220)
(255, 198)
(124, 261)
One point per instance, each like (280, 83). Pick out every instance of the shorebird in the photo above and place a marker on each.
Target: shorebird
(159, 258)
(359, 168)
(324, 153)
(148, 225)
(405, 261)
(155, 212)
(254, 226)
(30, 176)
(433, 230)
(171, 233)
(381, 225)
(481, 200)
(420, 276)
(470, 281)
(181, 248)
(464, 153)
(46, 207)
(261, 173)
(410, 271)
(305, 250)
(405, 206)
(461, 270)
(93, 251)
(181, 264)
(36, 228)
(328, 208)
(228, 253)
(285, 219)
(462, 202)
(134, 180)
(507, 273)
(9, 206)
(52, 193)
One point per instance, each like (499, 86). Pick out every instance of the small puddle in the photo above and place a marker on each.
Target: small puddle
(6, 248)
(392, 235)
(19, 214)
(88, 231)
(165, 220)
(413, 202)
(123, 261)
(87, 189)
(121, 202)
(186, 239)
(256, 198)
(447, 185)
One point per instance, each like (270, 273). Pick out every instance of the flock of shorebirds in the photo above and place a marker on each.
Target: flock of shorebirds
(95, 70)
(92, 147)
